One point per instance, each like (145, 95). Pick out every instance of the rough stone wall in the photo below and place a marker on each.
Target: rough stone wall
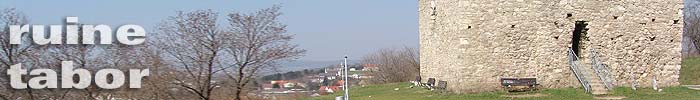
(473, 43)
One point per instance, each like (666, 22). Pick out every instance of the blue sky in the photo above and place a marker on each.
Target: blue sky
(328, 29)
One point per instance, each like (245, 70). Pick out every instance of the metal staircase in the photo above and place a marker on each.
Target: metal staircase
(575, 67)
(596, 78)
(602, 71)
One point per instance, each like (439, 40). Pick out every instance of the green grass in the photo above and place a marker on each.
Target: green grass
(690, 71)
(670, 93)
(387, 92)
(690, 75)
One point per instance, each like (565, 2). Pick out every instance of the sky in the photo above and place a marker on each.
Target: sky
(327, 29)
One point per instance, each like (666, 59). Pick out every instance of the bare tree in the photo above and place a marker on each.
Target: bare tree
(84, 56)
(158, 84)
(34, 56)
(393, 65)
(259, 40)
(124, 57)
(192, 54)
(194, 43)
(691, 29)
(12, 53)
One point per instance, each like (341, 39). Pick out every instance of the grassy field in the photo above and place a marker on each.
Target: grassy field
(690, 71)
(387, 92)
(690, 75)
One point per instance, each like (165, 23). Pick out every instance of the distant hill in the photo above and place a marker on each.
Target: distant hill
(308, 64)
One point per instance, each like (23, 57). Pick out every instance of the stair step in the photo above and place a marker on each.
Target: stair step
(599, 90)
(609, 97)
(599, 93)
(597, 86)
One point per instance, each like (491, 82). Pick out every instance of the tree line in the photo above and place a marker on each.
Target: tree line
(393, 65)
(691, 29)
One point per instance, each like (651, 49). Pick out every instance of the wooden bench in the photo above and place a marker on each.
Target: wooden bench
(431, 82)
(519, 84)
(417, 82)
(442, 87)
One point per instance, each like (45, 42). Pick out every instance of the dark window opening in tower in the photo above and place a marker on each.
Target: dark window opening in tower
(578, 36)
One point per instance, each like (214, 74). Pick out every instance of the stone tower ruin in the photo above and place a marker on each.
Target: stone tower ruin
(472, 43)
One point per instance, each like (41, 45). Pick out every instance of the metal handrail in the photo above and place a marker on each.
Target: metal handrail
(573, 61)
(602, 70)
